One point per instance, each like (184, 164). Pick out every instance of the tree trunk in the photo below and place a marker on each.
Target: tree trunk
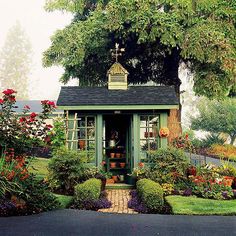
(171, 76)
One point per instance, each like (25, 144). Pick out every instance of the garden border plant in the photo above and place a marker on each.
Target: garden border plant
(21, 192)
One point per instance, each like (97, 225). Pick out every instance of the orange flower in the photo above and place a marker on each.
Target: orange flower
(11, 175)
(141, 164)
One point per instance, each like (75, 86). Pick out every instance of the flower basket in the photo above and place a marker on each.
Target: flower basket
(164, 132)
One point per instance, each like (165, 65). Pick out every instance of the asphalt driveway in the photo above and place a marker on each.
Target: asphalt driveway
(74, 222)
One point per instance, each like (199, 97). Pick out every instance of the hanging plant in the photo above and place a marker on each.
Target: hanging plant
(164, 132)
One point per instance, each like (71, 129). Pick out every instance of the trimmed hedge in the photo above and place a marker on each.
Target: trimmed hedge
(90, 190)
(151, 194)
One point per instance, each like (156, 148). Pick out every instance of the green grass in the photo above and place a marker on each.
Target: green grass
(199, 206)
(38, 166)
(64, 200)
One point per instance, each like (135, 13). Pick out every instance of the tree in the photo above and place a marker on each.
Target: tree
(158, 36)
(217, 117)
(15, 61)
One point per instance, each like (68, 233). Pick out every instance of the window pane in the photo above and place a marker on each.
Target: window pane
(91, 133)
(81, 122)
(148, 134)
(90, 122)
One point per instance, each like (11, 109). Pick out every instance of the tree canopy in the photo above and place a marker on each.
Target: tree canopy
(15, 61)
(217, 117)
(158, 35)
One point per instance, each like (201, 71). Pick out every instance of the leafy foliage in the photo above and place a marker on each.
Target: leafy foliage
(167, 166)
(22, 133)
(223, 151)
(57, 134)
(151, 194)
(157, 35)
(208, 141)
(66, 169)
(217, 117)
(89, 190)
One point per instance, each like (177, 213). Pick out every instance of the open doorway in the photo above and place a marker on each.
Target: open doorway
(117, 145)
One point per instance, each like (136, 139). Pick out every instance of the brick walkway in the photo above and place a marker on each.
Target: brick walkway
(119, 199)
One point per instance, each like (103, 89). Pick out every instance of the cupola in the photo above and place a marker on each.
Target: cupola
(117, 74)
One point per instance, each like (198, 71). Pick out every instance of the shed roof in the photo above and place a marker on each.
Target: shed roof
(135, 95)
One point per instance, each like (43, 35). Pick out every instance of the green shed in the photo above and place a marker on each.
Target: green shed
(118, 124)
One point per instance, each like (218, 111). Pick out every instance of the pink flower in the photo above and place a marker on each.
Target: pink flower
(9, 91)
(1, 101)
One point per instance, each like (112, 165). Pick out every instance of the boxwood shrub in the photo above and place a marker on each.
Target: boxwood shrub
(151, 194)
(90, 190)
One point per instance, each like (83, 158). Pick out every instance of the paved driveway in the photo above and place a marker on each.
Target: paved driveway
(73, 222)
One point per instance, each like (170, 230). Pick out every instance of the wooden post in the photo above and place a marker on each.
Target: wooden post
(67, 128)
(73, 131)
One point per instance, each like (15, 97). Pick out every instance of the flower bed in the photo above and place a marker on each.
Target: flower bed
(20, 192)
(176, 176)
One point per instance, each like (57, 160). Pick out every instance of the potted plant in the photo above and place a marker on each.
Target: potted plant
(113, 164)
(112, 154)
(122, 164)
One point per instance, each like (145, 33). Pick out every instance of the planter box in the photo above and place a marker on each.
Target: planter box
(130, 180)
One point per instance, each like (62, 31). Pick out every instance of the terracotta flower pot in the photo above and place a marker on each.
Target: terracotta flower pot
(118, 155)
(110, 181)
(112, 154)
(82, 144)
(115, 178)
(122, 164)
(113, 164)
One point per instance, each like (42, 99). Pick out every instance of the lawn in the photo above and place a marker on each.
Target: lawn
(38, 166)
(199, 206)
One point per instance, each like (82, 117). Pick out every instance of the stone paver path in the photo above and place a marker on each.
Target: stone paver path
(119, 199)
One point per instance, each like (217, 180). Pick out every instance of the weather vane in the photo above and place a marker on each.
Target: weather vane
(117, 51)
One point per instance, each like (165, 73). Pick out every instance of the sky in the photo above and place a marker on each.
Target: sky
(39, 26)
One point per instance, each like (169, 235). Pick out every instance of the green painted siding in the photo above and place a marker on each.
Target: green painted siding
(136, 142)
(119, 107)
(99, 133)
(163, 123)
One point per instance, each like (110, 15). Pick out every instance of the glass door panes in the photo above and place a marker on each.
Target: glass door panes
(86, 136)
(149, 141)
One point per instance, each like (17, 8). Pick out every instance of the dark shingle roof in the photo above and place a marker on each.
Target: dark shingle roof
(136, 95)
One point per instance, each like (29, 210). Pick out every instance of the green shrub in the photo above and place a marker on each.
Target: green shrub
(151, 194)
(66, 169)
(167, 165)
(208, 141)
(90, 190)
(37, 196)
